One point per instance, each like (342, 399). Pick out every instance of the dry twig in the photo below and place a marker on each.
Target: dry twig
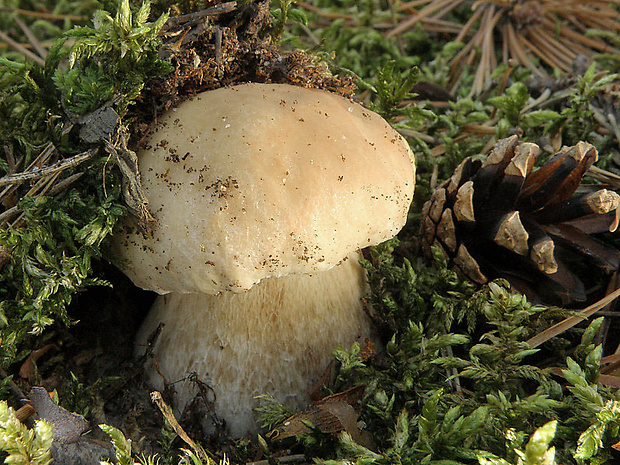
(35, 173)
(172, 421)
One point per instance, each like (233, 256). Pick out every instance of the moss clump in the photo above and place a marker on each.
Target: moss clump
(457, 382)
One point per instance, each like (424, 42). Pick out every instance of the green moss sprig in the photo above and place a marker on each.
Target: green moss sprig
(48, 248)
(482, 400)
(21, 445)
(114, 56)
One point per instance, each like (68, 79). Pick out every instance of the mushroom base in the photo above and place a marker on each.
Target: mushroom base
(275, 339)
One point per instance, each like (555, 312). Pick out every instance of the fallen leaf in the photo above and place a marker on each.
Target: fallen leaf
(28, 369)
(331, 415)
(68, 427)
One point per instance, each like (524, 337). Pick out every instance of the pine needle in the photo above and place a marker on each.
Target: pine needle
(569, 322)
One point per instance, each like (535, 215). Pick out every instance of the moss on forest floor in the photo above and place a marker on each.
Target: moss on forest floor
(456, 383)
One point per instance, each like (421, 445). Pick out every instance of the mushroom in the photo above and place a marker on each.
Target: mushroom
(264, 194)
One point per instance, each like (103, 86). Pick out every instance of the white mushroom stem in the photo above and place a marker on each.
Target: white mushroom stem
(274, 339)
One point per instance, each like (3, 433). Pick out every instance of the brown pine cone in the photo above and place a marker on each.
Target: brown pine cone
(497, 218)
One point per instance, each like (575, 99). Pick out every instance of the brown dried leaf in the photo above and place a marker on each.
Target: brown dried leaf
(330, 415)
(24, 412)
(318, 416)
(28, 369)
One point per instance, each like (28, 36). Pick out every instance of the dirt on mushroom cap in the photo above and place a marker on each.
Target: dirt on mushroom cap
(264, 180)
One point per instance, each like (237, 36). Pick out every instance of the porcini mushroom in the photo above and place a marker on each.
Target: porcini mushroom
(264, 194)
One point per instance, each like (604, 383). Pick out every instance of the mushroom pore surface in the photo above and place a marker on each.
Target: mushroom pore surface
(263, 180)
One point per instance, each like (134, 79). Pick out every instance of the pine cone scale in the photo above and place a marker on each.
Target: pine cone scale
(598, 203)
(511, 234)
(558, 179)
(468, 265)
(576, 240)
(446, 230)
(596, 224)
(464, 204)
(502, 218)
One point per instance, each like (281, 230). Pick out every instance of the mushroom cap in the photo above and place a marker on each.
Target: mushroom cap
(264, 180)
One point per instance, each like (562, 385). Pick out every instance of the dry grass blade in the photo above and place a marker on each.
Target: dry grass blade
(172, 421)
(297, 458)
(48, 152)
(38, 46)
(468, 25)
(517, 47)
(41, 187)
(438, 25)
(45, 15)
(569, 322)
(432, 7)
(21, 49)
(487, 59)
(47, 170)
(604, 176)
(314, 9)
(34, 43)
(192, 18)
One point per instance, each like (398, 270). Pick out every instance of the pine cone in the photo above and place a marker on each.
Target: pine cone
(497, 218)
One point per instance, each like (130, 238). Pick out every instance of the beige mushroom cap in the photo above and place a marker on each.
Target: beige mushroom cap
(263, 180)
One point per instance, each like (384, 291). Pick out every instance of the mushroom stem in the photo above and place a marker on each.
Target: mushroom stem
(276, 339)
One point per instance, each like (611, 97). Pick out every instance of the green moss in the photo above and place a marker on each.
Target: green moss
(51, 241)
(457, 382)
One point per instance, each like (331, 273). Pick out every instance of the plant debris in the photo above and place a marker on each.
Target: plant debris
(525, 32)
(332, 414)
(222, 46)
(68, 427)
